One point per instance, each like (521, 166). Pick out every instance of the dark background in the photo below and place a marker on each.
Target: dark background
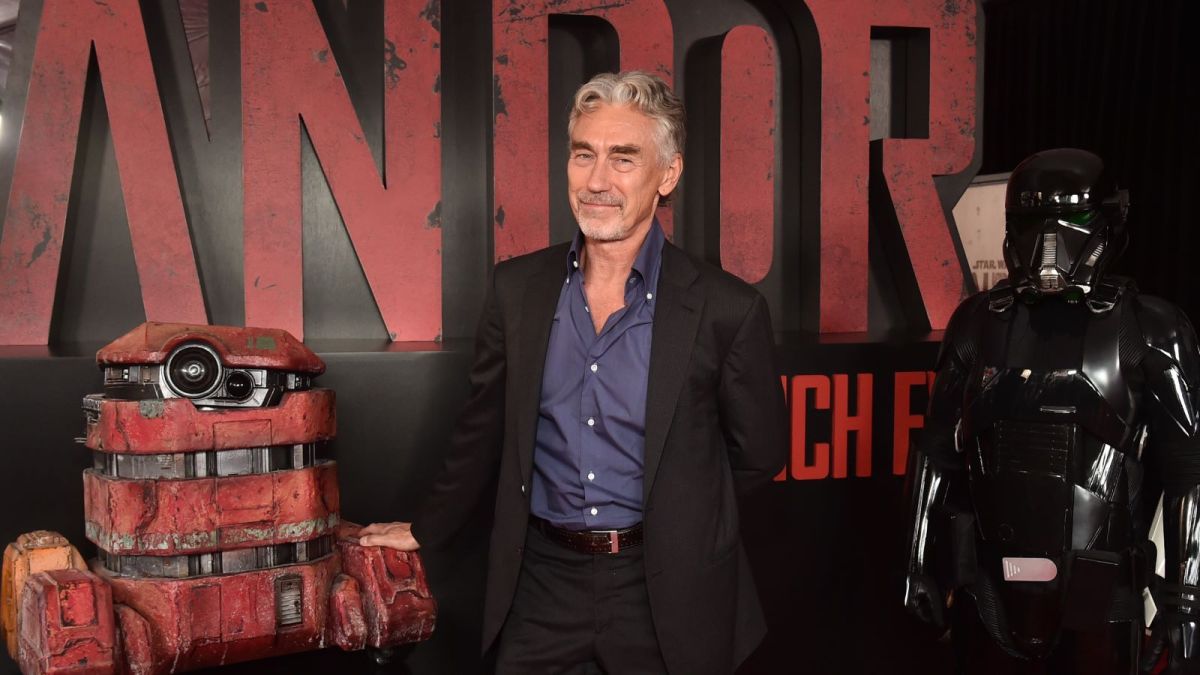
(1107, 75)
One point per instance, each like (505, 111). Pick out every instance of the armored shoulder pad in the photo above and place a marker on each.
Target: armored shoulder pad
(1166, 330)
(961, 340)
(1001, 296)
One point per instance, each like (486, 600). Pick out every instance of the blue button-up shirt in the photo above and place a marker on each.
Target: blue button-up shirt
(590, 447)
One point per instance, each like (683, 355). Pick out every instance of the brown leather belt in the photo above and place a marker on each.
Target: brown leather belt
(590, 541)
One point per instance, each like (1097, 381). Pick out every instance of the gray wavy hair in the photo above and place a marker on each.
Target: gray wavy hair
(648, 94)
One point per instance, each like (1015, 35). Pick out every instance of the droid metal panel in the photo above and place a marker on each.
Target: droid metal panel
(389, 197)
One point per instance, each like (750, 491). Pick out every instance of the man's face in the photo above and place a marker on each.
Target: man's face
(616, 174)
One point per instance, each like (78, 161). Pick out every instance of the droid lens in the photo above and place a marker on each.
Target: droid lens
(239, 385)
(193, 371)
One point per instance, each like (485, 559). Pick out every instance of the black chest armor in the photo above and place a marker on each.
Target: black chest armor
(1051, 430)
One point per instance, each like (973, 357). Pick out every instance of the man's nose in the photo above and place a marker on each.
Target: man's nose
(598, 177)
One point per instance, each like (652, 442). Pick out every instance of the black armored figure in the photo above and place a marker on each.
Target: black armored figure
(1063, 409)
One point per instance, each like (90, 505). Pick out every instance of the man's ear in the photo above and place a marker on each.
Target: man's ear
(671, 176)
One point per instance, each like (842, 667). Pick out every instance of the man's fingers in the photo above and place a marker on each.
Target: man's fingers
(399, 541)
(379, 528)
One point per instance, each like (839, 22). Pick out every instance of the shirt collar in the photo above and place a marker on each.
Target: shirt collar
(646, 263)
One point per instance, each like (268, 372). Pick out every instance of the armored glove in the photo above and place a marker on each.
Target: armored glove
(1175, 629)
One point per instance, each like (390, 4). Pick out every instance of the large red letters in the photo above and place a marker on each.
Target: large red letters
(393, 220)
(35, 220)
(748, 135)
(909, 164)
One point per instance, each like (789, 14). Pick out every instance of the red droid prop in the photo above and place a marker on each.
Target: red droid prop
(217, 525)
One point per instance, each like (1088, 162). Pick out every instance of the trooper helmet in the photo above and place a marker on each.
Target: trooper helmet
(1064, 222)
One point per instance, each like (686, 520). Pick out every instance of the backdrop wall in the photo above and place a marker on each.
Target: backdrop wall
(351, 171)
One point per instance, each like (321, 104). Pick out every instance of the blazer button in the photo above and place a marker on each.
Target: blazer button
(520, 550)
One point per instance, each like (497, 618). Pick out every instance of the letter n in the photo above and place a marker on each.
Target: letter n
(289, 76)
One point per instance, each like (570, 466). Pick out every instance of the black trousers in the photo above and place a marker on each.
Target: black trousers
(579, 613)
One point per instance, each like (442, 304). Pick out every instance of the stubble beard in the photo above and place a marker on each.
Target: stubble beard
(597, 229)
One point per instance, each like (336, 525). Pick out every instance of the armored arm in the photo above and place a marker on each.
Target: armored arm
(936, 463)
(1171, 367)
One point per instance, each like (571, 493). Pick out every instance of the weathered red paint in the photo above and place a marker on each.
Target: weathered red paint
(521, 144)
(200, 515)
(151, 343)
(67, 624)
(135, 647)
(907, 164)
(843, 30)
(35, 220)
(289, 74)
(353, 597)
(347, 618)
(204, 622)
(175, 425)
(749, 70)
(392, 585)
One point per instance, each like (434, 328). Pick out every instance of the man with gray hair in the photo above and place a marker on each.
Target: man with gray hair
(624, 394)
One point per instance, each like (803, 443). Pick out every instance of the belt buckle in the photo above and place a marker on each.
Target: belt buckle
(614, 541)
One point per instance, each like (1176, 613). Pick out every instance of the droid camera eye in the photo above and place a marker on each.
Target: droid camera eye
(239, 385)
(193, 370)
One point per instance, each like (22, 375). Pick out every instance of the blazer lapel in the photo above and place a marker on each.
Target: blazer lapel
(537, 316)
(676, 320)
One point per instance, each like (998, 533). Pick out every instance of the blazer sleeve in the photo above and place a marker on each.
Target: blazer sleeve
(473, 456)
(750, 398)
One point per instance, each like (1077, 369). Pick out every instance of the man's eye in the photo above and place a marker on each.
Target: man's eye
(583, 156)
(623, 161)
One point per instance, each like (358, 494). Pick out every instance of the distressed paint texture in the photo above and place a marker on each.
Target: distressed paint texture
(393, 220)
(201, 515)
(35, 220)
(76, 606)
(32, 552)
(749, 70)
(210, 621)
(347, 617)
(844, 30)
(151, 343)
(923, 223)
(521, 143)
(300, 417)
(352, 596)
(401, 610)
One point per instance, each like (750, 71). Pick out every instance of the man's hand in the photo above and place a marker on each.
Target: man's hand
(392, 535)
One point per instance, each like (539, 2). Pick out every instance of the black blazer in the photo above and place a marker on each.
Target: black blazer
(715, 427)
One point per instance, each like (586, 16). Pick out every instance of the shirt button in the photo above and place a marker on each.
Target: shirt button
(591, 421)
(595, 510)
(595, 367)
(575, 263)
(522, 488)
(649, 296)
(591, 476)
